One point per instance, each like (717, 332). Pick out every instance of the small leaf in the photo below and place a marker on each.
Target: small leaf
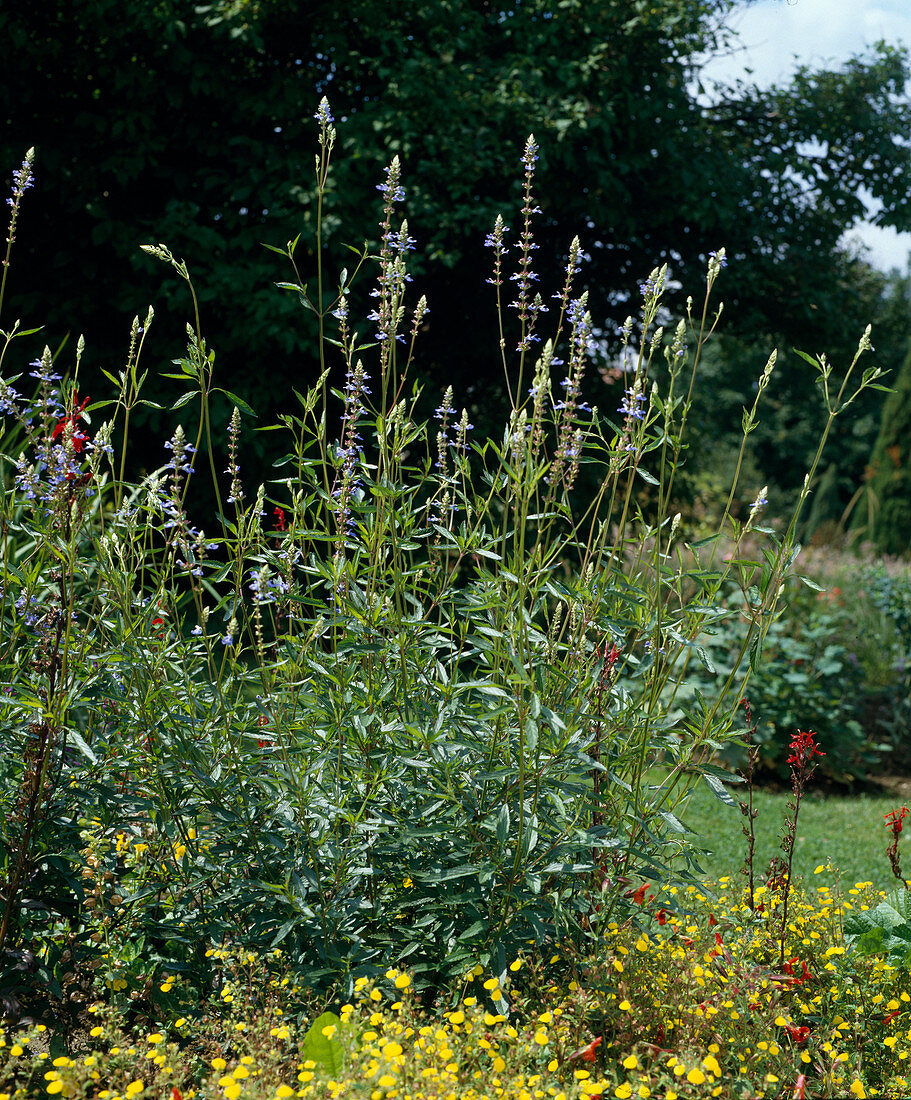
(238, 401)
(717, 788)
(674, 823)
(81, 744)
(503, 826)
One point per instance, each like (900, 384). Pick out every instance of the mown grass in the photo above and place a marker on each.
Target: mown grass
(845, 831)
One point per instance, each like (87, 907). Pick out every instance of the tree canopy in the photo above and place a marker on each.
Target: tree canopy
(163, 120)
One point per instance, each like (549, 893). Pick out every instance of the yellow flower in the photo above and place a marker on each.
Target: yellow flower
(156, 1038)
(631, 1062)
(134, 1088)
(857, 1089)
(711, 1064)
(623, 1091)
(695, 1077)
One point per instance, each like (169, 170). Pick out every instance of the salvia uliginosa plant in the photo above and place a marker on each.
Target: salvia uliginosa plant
(416, 697)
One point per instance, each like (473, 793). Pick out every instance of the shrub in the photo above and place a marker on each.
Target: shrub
(403, 704)
(835, 661)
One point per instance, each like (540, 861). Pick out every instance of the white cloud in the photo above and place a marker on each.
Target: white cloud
(776, 36)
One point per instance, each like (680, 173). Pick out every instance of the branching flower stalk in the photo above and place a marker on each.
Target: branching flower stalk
(803, 748)
(23, 179)
(894, 819)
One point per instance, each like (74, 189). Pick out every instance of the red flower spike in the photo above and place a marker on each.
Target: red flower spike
(800, 1088)
(279, 514)
(176, 1094)
(79, 438)
(803, 748)
(894, 819)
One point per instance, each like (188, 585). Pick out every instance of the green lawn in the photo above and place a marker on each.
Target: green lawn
(847, 831)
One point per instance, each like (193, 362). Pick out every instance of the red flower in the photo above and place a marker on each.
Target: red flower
(79, 438)
(639, 895)
(661, 917)
(279, 514)
(894, 819)
(800, 1088)
(590, 1053)
(798, 1034)
(611, 656)
(176, 1094)
(790, 968)
(803, 748)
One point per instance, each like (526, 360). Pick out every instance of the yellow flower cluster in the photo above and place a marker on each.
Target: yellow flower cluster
(694, 999)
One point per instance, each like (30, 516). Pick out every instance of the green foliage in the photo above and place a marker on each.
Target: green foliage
(887, 518)
(834, 662)
(403, 705)
(326, 1050)
(884, 931)
(607, 88)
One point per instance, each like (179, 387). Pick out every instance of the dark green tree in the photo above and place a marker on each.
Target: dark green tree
(163, 120)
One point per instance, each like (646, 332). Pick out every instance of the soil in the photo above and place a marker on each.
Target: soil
(899, 786)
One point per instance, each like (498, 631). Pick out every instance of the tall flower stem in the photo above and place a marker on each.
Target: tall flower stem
(803, 749)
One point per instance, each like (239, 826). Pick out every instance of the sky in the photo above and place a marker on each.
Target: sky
(778, 35)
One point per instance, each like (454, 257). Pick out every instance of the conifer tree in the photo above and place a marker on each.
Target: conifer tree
(887, 517)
